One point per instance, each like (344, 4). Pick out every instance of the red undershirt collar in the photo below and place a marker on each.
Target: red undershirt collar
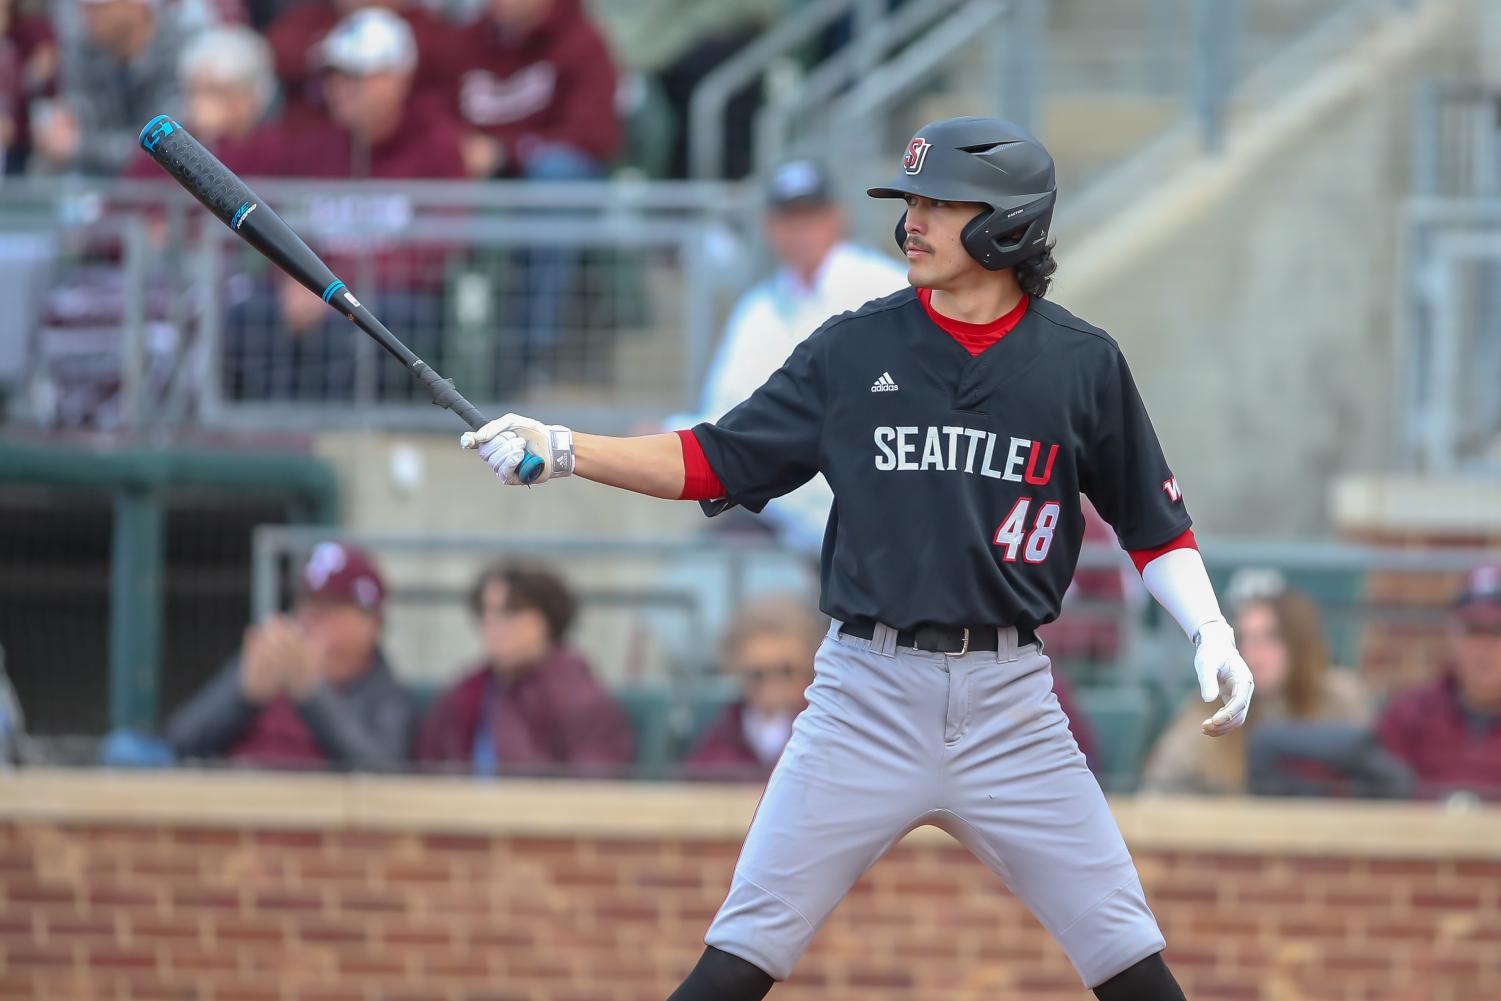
(974, 337)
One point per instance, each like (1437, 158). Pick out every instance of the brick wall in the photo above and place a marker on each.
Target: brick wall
(158, 910)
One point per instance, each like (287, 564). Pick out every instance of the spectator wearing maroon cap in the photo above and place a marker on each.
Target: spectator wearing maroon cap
(1449, 731)
(532, 706)
(297, 36)
(309, 690)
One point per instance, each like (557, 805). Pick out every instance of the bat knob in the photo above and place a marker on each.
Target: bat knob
(530, 468)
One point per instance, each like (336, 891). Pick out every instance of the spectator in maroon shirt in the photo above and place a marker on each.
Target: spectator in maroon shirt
(373, 128)
(1449, 731)
(537, 96)
(296, 38)
(28, 70)
(537, 83)
(769, 649)
(310, 689)
(532, 705)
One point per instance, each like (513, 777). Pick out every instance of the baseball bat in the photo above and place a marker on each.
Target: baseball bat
(248, 216)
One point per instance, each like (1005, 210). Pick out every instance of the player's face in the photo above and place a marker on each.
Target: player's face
(1259, 639)
(936, 257)
(515, 637)
(1477, 660)
(774, 670)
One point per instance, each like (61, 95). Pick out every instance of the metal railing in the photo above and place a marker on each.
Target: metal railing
(601, 299)
(799, 29)
(912, 43)
(1450, 333)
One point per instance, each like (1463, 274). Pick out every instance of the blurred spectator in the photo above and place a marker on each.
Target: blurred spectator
(537, 96)
(372, 120)
(819, 275)
(537, 92)
(311, 689)
(533, 704)
(367, 132)
(769, 650)
(228, 86)
(28, 70)
(1282, 640)
(1449, 732)
(297, 38)
(229, 92)
(116, 74)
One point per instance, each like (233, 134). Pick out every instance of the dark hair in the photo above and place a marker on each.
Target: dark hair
(1035, 274)
(530, 586)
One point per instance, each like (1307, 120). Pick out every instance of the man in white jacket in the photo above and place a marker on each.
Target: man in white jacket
(819, 274)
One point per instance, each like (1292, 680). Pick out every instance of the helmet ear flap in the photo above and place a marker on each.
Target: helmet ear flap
(981, 238)
(901, 233)
(980, 241)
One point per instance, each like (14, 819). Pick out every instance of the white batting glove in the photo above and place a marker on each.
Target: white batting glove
(1223, 674)
(523, 451)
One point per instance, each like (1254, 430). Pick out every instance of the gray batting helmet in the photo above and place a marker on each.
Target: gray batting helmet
(985, 160)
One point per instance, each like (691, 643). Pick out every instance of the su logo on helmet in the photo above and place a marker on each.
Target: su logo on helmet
(917, 152)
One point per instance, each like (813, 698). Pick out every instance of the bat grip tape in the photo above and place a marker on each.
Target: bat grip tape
(445, 395)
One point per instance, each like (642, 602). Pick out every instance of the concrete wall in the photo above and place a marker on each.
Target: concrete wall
(1255, 293)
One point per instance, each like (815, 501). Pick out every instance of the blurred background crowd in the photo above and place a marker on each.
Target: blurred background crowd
(232, 534)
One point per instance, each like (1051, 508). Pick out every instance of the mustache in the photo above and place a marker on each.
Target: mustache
(917, 244)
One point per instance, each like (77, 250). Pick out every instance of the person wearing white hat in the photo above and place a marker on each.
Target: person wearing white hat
(229, 87)
(372, 129)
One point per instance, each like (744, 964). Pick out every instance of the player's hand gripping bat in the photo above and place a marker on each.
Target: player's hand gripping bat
(253, 221)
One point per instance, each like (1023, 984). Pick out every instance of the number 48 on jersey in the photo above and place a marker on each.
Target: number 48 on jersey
(1014, 538)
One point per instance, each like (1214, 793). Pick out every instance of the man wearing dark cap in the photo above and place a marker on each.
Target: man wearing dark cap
(310, 689)
(1449, 731)
(819, 274)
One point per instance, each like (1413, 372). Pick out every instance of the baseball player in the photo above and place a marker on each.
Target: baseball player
(958, 422)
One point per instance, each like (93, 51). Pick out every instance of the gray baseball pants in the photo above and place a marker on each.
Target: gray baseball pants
(895, 738)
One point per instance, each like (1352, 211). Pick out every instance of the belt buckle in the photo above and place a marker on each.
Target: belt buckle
(963, 647)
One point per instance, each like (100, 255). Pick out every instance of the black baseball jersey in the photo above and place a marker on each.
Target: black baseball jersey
(956, 479)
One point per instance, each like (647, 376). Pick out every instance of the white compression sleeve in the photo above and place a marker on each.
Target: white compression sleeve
(1179, 582)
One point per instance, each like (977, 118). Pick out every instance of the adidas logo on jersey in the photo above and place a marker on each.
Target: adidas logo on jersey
(885, 384)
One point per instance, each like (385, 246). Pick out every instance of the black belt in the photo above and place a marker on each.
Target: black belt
(940, 639)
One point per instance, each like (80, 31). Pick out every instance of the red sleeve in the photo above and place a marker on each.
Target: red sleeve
(699, 481)
(1141, 557)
